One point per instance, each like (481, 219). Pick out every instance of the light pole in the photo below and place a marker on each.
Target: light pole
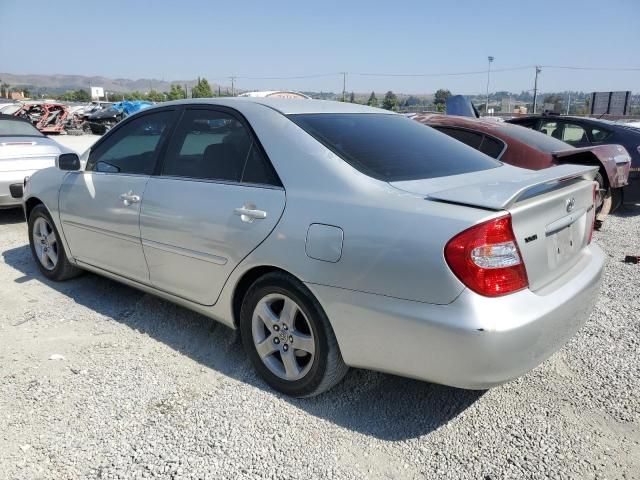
(486, 107)
(535, 90)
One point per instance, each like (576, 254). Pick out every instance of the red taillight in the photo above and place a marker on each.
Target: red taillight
(486, 258)
(593, 217)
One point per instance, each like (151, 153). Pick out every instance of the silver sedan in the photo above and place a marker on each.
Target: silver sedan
(331, 235)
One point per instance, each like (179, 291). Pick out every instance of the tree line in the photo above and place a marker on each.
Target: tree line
(202, 89)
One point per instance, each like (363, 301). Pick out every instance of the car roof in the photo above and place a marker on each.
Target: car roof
(286, 106)
(510, 133)
(499, 129)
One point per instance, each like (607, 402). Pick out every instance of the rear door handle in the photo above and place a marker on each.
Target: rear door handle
(249, 213)
(129, 198)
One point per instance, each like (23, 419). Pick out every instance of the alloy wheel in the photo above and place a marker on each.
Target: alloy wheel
(283, 337)
(45, 243)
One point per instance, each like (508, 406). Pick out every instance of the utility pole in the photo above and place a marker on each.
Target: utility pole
(233, 90)
(569, 103)
(486, 107)
(344, 85)
(535, 89)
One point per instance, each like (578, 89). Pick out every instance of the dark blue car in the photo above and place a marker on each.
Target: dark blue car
(584, 132)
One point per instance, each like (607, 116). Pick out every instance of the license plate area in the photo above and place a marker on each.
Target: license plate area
(563, 244)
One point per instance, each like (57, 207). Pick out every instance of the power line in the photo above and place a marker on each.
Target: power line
(606, 69)
(443, 74)
(432, 74)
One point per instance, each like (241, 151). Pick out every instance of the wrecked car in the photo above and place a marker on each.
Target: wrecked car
(46, 117)
(585, 132)
(102, 121)
(523, 147)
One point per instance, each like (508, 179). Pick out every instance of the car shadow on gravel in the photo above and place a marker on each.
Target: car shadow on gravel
(371, 403)
(11, 216)
(626, 210)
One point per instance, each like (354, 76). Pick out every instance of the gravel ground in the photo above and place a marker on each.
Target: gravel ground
(98, 380)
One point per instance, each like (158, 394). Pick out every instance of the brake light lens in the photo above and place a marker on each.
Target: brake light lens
(593, 209)
(486, 258)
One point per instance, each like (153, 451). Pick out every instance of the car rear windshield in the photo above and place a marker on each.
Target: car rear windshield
(392, 147)
(538, 140)
(18, 128)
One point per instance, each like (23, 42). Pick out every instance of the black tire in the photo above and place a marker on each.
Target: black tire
(602, 186)
(617, 198)
(63, 269)
(602, 210)
(327, 368)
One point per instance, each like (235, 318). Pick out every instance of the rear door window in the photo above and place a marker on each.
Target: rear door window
(551, 128)
(214, 145)
(392, 147)
(574, 134)
(599, 134)
(478, 140)
(473, 139)
(492, 146)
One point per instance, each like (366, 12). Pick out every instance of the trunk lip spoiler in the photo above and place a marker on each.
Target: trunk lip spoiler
(503, 194)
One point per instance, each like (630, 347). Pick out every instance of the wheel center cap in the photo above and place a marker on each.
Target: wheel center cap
(283, 336)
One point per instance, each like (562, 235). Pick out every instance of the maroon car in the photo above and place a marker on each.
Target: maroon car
(526, 148)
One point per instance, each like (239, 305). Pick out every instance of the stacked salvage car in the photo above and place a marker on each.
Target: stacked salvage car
(516, 142)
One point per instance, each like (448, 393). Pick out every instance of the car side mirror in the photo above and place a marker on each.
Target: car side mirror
(68, 161)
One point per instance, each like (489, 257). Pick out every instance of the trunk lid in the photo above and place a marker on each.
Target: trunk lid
(552, 210)
(27, 153)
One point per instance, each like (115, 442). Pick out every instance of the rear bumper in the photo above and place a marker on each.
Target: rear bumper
(475, 342)
(6, 180)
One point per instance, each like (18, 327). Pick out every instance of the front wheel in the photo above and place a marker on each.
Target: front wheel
(288, 338)
(46, 247)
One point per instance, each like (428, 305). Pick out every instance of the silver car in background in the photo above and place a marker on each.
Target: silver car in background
(23, 150)
(331, 235)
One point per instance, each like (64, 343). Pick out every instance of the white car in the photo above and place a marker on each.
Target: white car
(23, 150)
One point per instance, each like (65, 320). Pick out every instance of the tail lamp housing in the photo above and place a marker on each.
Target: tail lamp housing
(486, 258)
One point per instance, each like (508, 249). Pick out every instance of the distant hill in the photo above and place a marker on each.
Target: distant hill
(63, 83)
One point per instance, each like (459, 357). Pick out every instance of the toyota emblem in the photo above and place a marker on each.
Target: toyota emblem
(570, 203)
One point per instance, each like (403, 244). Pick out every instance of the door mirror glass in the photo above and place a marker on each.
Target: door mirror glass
(68, 161)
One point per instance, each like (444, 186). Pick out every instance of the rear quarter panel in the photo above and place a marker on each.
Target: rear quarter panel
(393, 240)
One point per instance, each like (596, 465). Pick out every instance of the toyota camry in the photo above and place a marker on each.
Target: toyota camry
(332, 235)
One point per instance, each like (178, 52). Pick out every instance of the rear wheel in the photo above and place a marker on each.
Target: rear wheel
(46, 247)
(288, 337)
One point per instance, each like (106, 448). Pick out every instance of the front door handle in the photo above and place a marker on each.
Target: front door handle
(129, 198)
(249, 213)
